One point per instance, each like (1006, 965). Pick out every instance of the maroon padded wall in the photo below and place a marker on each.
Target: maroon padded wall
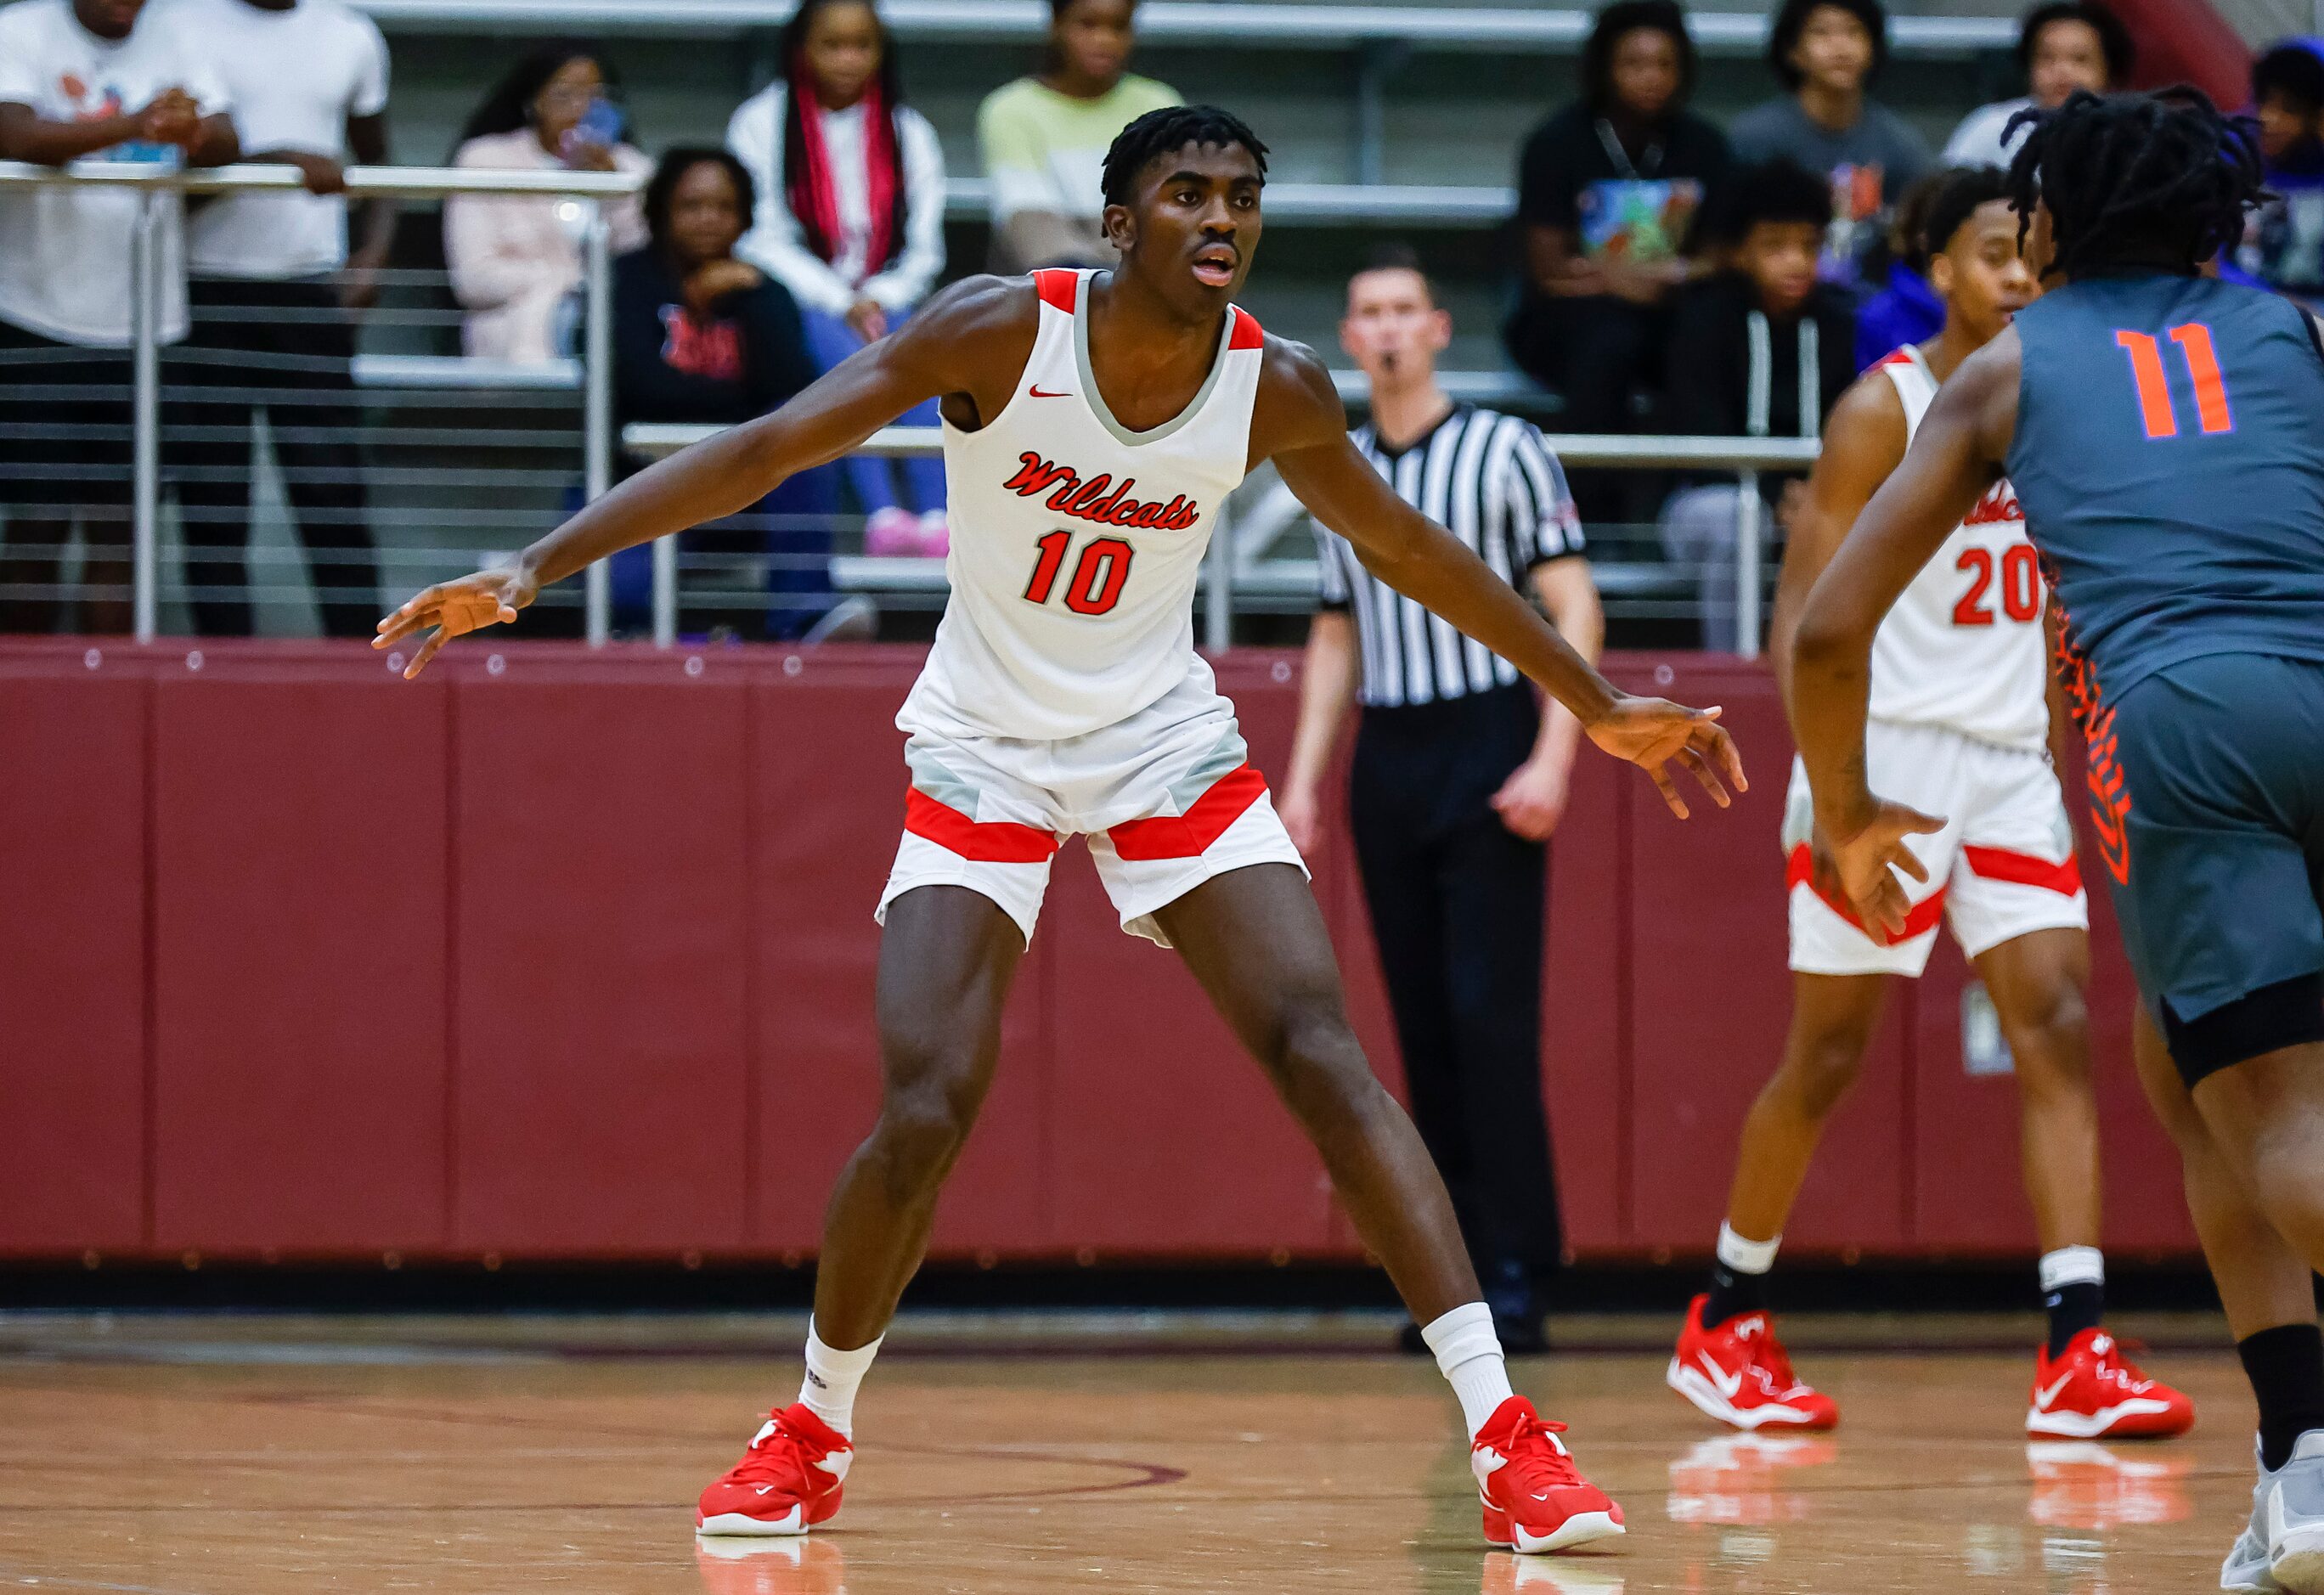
(569, 955)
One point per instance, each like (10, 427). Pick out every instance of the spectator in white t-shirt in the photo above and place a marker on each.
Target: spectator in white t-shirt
(82, 79)
(2067, 45)
(273, 289)
(515, 258)
(850, 219)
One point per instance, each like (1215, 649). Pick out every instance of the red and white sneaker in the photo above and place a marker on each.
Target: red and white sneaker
(1535, 1498)
(2091, 1390)
(1741, 1374)
(785, 1483)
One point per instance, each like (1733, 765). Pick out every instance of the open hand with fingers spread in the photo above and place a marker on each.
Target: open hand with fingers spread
(1868, 860)
(1654, 734)
(454, 609)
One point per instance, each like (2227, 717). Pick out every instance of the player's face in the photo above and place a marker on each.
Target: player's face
(1393, 329)
(2067, 55)
(843, 51)
(1779, 259)
(1193, 225)
(2284, 123)
(1834, 52)
(1644, 71)
(1980, 275)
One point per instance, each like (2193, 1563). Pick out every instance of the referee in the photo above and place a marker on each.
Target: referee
(1458, 779)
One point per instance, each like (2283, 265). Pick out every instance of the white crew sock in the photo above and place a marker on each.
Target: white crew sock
(832, 1376)
(2072, 1265)
(1468, 1355)
(1745, 1257)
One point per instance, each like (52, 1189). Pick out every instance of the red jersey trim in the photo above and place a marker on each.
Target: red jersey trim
(984, 842)
(1920, 919)
(1247, 333)
(1058, 288)
(1900, 356)
(1998, 863)
(1190, 834)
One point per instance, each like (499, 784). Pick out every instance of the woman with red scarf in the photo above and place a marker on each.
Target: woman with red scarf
(851, 222)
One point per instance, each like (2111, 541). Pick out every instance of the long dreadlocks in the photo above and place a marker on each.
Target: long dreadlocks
(2156, 178)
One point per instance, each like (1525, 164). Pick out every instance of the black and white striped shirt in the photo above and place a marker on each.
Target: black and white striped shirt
(1490, 481)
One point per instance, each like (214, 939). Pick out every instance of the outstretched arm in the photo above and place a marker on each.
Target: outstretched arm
(932, 355)
(1301, 426)
(1954, 458)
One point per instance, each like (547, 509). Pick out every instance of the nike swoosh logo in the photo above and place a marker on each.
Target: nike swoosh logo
(1037, 393)
(1728, 1383)
(2042, 1398)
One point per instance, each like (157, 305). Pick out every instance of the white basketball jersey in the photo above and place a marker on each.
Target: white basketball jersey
(1963, 647)
(1077, 544)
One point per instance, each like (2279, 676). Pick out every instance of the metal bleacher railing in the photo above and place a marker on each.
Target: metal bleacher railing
(446, 477)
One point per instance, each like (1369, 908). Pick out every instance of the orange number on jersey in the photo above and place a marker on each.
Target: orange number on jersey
(2021, 583)
(1097, 575)
(1971, 610)
(2202, 357)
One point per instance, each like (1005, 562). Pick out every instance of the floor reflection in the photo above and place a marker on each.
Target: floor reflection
(1550, 1575)
(2080, 1484)
(802, 1566)
(1741, 1479)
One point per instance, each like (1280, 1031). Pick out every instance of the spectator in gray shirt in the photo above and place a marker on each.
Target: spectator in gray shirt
(1827, 52)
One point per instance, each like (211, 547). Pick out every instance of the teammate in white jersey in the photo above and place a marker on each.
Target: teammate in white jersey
(1961, 718)
(1093, 423)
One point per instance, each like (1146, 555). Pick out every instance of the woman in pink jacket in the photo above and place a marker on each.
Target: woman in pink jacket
(516, 260)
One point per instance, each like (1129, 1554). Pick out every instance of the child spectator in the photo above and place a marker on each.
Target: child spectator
(515, 258)
(1907, 310)
(1608, 189)
(274, 289)
(2065, 45)
(702, 337)
(1826, 52)
(2283, 245)
(851, 222)
(1768, 348)
(81, 80)
(1044, 138)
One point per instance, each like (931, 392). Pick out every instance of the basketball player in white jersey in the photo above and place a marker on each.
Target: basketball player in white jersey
(1093, 423)
(1962, 719)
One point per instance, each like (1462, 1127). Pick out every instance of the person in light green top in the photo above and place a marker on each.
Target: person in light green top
(1045, 138)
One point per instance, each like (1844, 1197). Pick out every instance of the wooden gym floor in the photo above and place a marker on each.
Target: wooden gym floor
(246, 1456)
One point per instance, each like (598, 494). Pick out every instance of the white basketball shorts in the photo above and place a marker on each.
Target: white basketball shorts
(2003, 867)
(1168, 798)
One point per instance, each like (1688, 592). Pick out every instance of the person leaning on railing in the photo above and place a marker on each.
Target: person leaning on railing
(850, 186)
(1765, 348)
(81, 80)
(1044, 138)
(1607, 191)
(705, 338)
(274, 292)
(516, 259)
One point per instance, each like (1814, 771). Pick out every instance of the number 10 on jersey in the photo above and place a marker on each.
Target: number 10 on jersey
(1095, 585)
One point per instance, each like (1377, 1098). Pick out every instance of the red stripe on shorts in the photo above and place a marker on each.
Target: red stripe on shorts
(1919, 920)
(1998, 863)
(986, 842)
(1190, 834)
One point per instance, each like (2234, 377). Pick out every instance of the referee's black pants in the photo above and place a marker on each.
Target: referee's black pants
(1457, 906)
(288, 347)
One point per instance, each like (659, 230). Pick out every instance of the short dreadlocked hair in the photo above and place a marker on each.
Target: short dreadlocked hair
(2160, 178)
(1957, 197)
(1167, 131)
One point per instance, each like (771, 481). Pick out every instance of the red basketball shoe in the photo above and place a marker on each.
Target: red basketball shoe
(1535, 1500)
(785, 1483)
(2091, 1389)
(1739, 1374)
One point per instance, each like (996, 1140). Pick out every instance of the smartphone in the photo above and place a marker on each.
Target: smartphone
(601, 125)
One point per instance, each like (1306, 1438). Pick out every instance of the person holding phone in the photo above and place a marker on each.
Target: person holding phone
(516, 259)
